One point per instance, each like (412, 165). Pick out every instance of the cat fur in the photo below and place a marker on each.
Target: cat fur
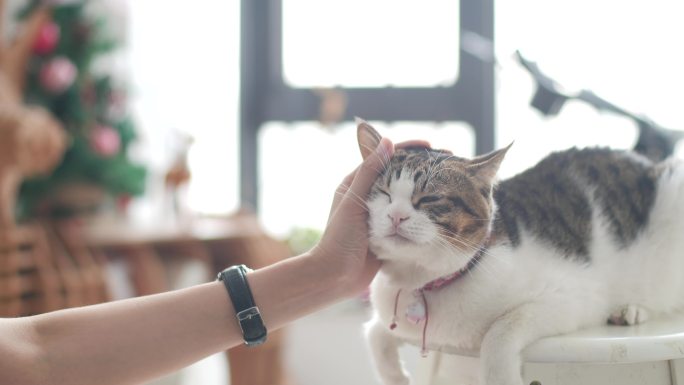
(618, 256)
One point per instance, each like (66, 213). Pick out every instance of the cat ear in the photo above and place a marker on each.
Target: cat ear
(485, 166)
(367, 136)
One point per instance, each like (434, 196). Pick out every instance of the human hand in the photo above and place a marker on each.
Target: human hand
(344, 245)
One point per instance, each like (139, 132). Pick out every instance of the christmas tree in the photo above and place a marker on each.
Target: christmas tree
(91, 107)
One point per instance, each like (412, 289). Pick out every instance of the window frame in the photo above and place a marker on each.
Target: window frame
(265, 96)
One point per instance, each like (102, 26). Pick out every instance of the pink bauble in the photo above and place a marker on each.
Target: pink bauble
(105, 141)
(116, 106)
(47, 39)
(57, 75)
(123, 202)
(60, 2)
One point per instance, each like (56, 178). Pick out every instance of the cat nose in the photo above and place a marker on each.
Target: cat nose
(397, 218)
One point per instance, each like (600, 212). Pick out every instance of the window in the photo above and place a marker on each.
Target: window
(302, 164)
(624, 51)
(379, 43)
(394, 61)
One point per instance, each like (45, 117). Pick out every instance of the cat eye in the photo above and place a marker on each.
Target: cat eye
(428, 199)
(386, 193)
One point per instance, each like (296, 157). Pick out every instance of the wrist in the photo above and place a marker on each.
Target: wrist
(295, 287)
(328, 270)
(344, 273)
(246, 311)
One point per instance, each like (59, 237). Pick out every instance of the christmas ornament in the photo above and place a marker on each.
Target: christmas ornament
(123, 201)
(116, 106)
(73, 83)
(88, 93)
(105, 141)
(47, 39)
(61, 2)
(83, 33)
(57, 75)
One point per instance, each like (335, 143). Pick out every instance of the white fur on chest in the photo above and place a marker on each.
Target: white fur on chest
(533, 270)
(515, 296)
(460, 313)
(649, 272)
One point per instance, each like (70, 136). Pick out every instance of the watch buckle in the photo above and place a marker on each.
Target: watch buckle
(248, 314)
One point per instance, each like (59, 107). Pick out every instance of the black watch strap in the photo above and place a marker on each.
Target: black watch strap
(235, 280)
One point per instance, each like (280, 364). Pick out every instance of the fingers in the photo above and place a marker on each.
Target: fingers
(341, 191)
(371, 167)
(369, 171)
(413, 143)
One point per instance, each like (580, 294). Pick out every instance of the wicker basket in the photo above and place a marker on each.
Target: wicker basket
(45, 267)
(28, 281)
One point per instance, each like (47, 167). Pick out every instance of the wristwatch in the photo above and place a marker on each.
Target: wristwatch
(252, 325)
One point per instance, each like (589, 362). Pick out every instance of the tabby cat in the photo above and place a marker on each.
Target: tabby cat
(585, 236)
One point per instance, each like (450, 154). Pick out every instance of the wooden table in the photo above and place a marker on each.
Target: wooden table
(217, 242)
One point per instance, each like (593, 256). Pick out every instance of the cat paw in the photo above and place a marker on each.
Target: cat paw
(628, 315)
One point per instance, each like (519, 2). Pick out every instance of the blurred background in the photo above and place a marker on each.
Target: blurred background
(185, 74)
(181, 110)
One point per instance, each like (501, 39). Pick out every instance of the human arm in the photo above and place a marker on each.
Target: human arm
(131, 341)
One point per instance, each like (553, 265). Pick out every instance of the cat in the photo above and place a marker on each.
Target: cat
(584, 237)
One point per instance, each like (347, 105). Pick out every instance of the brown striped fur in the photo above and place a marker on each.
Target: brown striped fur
(552, 201)
(583, 236)
(455, 193)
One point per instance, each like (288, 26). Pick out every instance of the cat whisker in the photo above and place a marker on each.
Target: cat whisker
(443, 168)
(453, 236)
(363, 201)
(443, 164)
(450, 248)
(471, 246)
(431, 166)
(446, 246)
(384, 157)
(355, 198)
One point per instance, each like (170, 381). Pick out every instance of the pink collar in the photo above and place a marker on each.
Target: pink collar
(447, 279)
(436, 285)
(442, 281)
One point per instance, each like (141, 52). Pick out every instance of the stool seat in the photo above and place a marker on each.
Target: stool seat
(651, 353)
(655, 340)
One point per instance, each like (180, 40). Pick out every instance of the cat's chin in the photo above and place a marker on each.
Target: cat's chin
(395, 247)
(397, 240)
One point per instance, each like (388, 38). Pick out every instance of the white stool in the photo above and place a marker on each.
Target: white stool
(648, 354)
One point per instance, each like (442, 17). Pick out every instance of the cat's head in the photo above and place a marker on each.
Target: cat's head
(429, 207)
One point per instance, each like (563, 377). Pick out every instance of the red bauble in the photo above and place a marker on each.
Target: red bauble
(123, 201)
(105, 141)
(58, 74)
(47, 39)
